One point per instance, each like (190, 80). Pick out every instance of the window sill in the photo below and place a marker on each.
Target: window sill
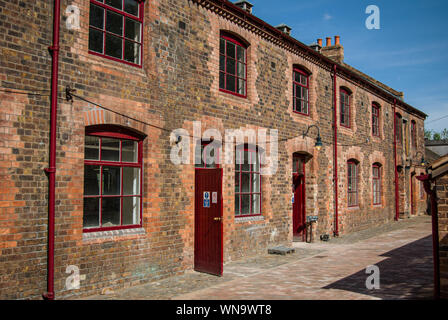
(112, 234)
(249, 218)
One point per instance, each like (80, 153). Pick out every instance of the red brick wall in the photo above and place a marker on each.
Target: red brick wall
(442, 202)
(177, 85)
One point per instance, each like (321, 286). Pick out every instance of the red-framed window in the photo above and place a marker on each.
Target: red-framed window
(209, 156)
(232, 65)
(115, 30)
(247, 182)
(352, 185)
(300, 91)
(398, 128)
(112, 180)
(413, 134)
(344, 108)
(375, 119)
(376, 183)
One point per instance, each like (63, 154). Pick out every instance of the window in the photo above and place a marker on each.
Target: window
(116, 30)
(413, 134)
(112, 180)
(352, 168)
(398, 128)
(345, 108)
(247, 182)
(232, 66)
(376, 181)
(375, 120)
(300, 91)
(208, 157)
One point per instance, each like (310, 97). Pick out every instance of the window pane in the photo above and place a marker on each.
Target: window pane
(241, 70)
(222, 46)
(298, 91)
(230, 66)
(96, 16)
(256, 204)
(132, 52)
(110, 212)
(222, 63)
(245, 166)
(111, 180)
(129, 151)
(241, 87)
(237, 204)
(92, 180)
(255, 182)
(114, 23)
(114, 46)
(255, 161)
(222, 80)
(230, 50)
(95, 40)
(110, 149)
(91, 217)
(115, 3)
(245, 182)
(230, 83)
(133, 30)
(237, 182)
(240, 54)
(131, 210)
(91, 148)
(131, 7)
(245, 204)
(131, 181)
(303, 80)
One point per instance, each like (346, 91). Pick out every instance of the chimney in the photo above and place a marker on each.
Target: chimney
(319, 42)
(245, 5)
(284, 28)
(335, 52)
(316, 46)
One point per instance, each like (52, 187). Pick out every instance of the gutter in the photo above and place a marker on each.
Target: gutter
(51, 170)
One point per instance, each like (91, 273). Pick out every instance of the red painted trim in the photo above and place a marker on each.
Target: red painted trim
(54, 49)
(335, 155)
(397, 210)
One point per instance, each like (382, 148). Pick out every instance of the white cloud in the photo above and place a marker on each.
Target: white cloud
(327, 16)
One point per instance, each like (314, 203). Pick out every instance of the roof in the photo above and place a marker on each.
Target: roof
(246, 20)
(436, 142)
(430, 155)
(439, 167)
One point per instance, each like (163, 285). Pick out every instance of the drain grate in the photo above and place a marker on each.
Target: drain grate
(320, 257)
(281, 250)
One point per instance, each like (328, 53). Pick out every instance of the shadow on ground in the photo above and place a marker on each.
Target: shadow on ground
(406, 273)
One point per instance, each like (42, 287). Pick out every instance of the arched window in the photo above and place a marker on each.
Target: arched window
(352, 182)
(398, 128)
(232, 65)
(112, 178)
(300, 91)
(345, 95)
(376, 183)
(247, 181)
(375, 119)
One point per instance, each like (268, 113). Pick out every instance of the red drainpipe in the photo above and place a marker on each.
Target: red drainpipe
(335, 126)
(395, 163)
(435, 232)
(51, 171)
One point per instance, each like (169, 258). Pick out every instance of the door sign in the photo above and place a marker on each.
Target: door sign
(206, 199)
(214, 197)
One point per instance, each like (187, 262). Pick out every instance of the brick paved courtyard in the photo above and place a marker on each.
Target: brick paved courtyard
(321, 270)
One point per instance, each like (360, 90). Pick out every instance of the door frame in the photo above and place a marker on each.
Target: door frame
(303, 158)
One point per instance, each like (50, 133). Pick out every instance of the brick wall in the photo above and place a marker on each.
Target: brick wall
(177, 85)
(442, 202)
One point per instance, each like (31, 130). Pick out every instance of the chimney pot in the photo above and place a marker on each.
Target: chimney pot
(319, 42)
(328, 42)
(284, 28)
(245, 5)
(337, 40)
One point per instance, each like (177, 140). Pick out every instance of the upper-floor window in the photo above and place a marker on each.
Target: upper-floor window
(112, 179)
(232, 65)
(375, 119)
(300, 91)
(398, 128)
(413, 134)
(376, 183)
(345, 108)
(116, 30)
(352, 185)
(247, 182)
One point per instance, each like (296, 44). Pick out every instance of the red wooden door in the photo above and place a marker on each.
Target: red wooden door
(208, 239)
(298, 214)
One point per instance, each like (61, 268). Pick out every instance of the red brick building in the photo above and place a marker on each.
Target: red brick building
(124, 213)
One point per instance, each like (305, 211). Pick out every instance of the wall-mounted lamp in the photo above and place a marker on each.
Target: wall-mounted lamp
(318, 144)
(422, 161)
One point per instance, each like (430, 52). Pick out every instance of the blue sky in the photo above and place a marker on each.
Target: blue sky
(409, 52)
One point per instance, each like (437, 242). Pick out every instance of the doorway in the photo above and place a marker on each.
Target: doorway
(299, 198)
